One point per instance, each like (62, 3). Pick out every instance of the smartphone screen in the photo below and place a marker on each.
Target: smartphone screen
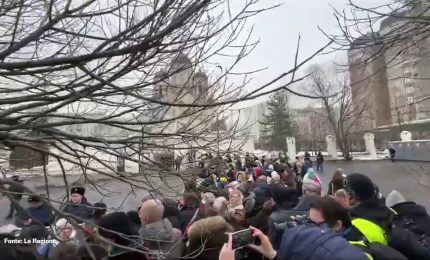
(242, 238)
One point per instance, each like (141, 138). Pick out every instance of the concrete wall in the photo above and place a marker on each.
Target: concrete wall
(417, 150)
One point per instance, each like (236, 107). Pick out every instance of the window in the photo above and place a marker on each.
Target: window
(408, 81)
(410, 90)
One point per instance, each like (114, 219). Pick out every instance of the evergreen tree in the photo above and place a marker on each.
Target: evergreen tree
(277, 124)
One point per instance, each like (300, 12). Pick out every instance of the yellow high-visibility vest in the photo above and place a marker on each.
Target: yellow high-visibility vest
(361, 243)
(372, 231)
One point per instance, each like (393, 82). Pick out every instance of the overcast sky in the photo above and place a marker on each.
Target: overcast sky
(278, 30)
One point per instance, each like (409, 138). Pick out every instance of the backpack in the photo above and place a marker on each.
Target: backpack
(379, 251)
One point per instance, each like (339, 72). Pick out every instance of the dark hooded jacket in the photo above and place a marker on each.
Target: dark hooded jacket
(81, 212)
(399, 238)
(413, 217)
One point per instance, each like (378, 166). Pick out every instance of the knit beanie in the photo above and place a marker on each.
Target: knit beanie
(360, 186)
(394, 198)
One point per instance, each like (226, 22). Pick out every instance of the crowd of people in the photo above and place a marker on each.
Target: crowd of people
(282, 202)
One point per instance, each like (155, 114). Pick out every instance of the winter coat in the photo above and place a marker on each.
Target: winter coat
(415, 214)
(304, 203)
(406, 243)
(17, 191)
(172, 213)
(185, 216)
(399, 238)
(161, 236)
(276, 223)
(374, 211)
(41, 215)
(122, 254)
(81, 212)
(320, 159)
(261, 221)
(312, 243)
(262, 193)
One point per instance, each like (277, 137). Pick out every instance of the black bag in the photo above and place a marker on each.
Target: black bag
(381, 252)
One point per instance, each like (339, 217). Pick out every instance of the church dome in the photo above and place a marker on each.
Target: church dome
(182, 59)
(200, 74)
(160, 74)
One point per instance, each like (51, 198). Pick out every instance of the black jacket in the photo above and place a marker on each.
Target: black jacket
(278, 222)
(375, 211)
(398, 238)
(406, 243)
(186, 215)
(413, 217)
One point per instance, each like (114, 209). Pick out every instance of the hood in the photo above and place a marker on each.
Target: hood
(394, 198)
(160, 230)
(410, 209)
(372, 209)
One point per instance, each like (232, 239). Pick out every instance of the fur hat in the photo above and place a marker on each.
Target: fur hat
(360, 186)
(394, 198)
(78, 190)
(210, 232)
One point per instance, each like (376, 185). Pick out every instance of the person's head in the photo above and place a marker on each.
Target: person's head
(282, 195)
(191, 200)
(326, 211)
(117, 227)
(220, 205)
(208, 199)
(342, 197)
(151, 211)
(206, 236)
(241, 176)
(134, 217)
(99, 209)
(276, 178)
(337, 175)
(261, 179)
(235, 197)
(289, 177)
(311, 189)
(359, 187)
(76, 195)
(65, 230)
(34, 201)
(394, 198)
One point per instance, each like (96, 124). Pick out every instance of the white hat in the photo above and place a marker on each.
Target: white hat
(394, 198)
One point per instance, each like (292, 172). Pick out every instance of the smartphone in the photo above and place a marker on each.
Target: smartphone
(242, 238)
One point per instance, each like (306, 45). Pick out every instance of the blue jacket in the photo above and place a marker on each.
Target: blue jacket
(309, 242)
(40, 215)
(82, 211)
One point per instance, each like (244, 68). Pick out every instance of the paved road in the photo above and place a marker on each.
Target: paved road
(411, 179)
(406, 177)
